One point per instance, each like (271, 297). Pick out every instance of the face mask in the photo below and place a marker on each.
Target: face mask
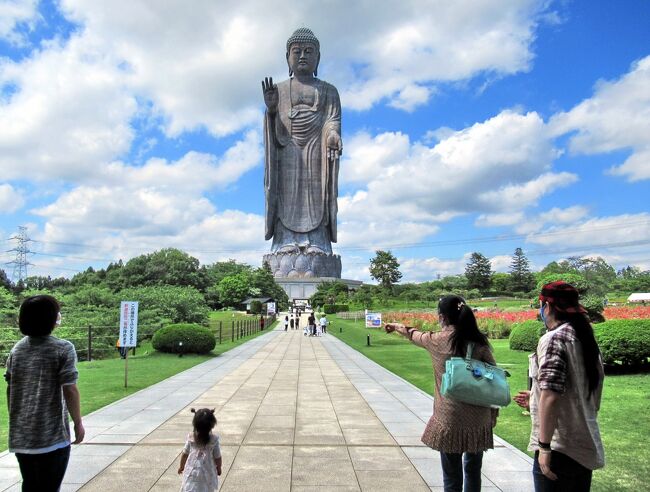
(58, 319)
(541, 314)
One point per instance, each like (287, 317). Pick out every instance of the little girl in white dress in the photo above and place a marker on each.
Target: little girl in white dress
(201, 458)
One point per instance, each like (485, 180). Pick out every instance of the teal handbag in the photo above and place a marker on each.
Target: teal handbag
(475, 382)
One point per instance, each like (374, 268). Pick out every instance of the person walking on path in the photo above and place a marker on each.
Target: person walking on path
(312, 325)
(461, 432)
(292, 322)
(567, 383)
(286, 323)
(41, 377)
(201, 457)
(323, 323)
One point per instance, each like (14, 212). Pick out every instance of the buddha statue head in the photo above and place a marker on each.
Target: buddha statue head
(303, 53)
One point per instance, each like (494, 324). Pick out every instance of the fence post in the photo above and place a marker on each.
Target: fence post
(90, 342)
(219, 332)
(232, 330)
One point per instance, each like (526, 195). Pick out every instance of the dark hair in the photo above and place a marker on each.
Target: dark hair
(461, 317)
(203, 422)
(38, 315)
(590, 349)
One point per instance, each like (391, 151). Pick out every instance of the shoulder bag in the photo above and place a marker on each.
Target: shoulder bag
(475, 382)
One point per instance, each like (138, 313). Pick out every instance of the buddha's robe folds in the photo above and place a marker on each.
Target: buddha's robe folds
(301, 183)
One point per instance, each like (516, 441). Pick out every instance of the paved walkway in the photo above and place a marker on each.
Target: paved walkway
(295, 413)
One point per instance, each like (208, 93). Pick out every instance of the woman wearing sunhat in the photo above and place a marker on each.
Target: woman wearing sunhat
(567, 382)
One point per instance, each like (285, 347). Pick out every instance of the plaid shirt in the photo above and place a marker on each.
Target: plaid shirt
(553, 360)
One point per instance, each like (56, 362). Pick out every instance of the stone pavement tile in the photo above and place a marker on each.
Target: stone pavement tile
(320, 471)
(263, 458)
(364, 436)
(379, 458)
(269, 421)
(117, 438)
(82, 468)
(268, 409)
(323, 452)
(272, 480)
(128, 472)
(420, 452)
(269, 436)
(502, 459)
(430, 470)
(9, 476)
(405, 428)
(395, 481)
(318, 433)
(324, 488)
(409, 440)
(509, 481)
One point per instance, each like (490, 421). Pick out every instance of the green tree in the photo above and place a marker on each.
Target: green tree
(501, 283)
(363, 296)
(262, 279)
(233, 289)
(384, 268)
(478, 272)
(168, 266)
(521, 278)
(175, 303)
(574, 279)
(4, 280)
(329, 293)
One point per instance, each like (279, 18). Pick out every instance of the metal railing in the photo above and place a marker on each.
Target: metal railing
(100, 341)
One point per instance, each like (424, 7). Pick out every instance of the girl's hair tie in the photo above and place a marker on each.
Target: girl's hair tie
(460, 305)
(192, 410)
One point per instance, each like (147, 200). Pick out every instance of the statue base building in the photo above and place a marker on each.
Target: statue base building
(299, 264)
(304, 288)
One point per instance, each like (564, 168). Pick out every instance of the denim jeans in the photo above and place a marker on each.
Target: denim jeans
(571, 475)
(43, 472)
(453, 465)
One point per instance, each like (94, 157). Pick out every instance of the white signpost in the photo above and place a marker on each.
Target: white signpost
(128, 331)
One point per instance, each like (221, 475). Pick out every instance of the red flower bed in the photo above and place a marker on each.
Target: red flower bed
(627, 312)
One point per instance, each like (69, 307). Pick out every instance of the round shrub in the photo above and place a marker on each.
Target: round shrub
(525, 335)
(196, 339)
(624, 341)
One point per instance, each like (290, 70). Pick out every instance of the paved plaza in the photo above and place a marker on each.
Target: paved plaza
(294, 413)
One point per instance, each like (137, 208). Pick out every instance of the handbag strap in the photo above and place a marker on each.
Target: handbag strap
(470, 349)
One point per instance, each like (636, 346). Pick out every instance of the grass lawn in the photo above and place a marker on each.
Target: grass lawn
(624, 414)
(102, 381)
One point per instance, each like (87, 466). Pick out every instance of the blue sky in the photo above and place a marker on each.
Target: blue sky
(128, 126)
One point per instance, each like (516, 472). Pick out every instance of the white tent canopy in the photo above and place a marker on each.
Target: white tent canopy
(639, 297)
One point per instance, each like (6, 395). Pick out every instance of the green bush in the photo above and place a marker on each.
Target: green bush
(595, 307)
(196, 339)
(335, 308)
(525, 335)
(494, 328)
(624, 341)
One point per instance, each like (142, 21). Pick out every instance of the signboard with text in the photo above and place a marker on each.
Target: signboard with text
(128, 324)
(373, 320)
(270, 308)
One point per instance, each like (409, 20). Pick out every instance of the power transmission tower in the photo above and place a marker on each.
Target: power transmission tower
(20, 263)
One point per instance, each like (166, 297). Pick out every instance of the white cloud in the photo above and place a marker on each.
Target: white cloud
(598, 231)
(498, 220)
(13, 13)
(10, 199)
(501, 263)
(427, 269)
(616, 117)
(69, 115)
(497, 168)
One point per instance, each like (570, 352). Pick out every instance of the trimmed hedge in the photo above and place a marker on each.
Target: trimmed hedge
(335, 308)
(525, 335)
(624, 341)
(196, 339)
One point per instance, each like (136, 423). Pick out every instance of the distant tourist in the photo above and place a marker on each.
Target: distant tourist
(261, 323)
(567, 383)
(201, 457)
(312, 325)
(41, 374)
(461, 432)
(291, 322)
(286, 323)
(323, 323)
